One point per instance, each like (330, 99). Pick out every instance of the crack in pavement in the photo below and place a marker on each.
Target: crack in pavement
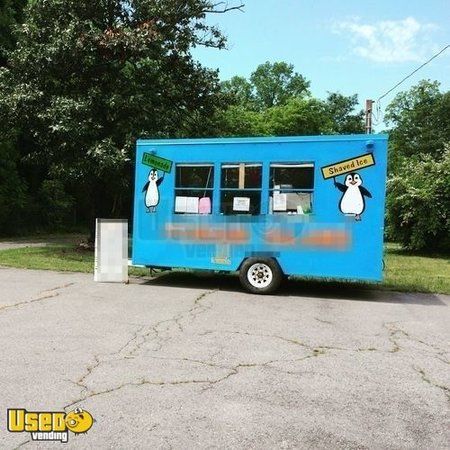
(132, 339)
(138, 335)
(199, 308)
(210, 383)
(240, 365)
(233, 370)
(43, 295)
(195, 310)
(80, 381)
(207, 382)
(324, 321)
(178, 322)
(22, 444)
(314, 348)
(426, 379)
(216, 353)
(246, 333)
(395, 334)
(131, 383)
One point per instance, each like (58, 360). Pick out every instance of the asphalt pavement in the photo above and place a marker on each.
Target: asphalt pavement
(186, 361)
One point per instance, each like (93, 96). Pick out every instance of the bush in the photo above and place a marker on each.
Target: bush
(418, 203)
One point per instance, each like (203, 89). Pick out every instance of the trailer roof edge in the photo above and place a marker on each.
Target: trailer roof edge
(265, 140)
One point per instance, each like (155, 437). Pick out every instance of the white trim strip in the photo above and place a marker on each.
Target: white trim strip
(288, 166)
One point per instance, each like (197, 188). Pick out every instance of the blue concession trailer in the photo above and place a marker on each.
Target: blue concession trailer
(310, 206)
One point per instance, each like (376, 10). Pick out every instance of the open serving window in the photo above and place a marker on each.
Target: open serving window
(291, 188)
(194, 188)
(241, 188)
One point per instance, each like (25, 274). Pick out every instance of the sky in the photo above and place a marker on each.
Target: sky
(359, 47)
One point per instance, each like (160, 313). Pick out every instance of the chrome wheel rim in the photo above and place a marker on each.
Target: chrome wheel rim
(260, 275)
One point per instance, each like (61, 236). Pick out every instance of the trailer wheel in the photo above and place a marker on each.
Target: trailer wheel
(260, 275)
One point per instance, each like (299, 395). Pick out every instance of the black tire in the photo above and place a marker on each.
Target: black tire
(268, 275)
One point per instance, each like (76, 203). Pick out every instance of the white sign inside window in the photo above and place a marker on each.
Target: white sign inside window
(187, 205)
(279, 202)
(180, 204)
(192, 205)
(241, 204)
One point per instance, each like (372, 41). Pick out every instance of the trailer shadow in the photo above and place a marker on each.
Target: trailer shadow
(302, 288)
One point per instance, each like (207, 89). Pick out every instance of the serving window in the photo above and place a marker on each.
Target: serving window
(194, 188)
(240, 191)
(291, 188)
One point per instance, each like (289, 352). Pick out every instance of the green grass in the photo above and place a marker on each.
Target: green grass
(51, 238)
(65, 258)
(405, 271)
(409, 271)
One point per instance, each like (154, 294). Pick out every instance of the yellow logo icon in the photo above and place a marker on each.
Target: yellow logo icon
(49, 425)
(79, 421)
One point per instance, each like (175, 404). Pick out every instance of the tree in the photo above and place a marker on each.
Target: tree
(295, 118)
(276, 83)
(13, 199)
(239, 91)
(420, 122)
(238, 121)
(418, 199)
(419, 203)
(290, 111)
(13, 196)
(11, 14)
(344, 117)
(88, 78)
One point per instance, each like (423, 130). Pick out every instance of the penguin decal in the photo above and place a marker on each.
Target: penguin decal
(352, 201)
(151, 190)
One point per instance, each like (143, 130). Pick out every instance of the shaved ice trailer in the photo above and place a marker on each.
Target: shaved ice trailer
(309, 206)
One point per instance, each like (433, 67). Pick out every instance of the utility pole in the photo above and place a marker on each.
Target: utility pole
(369, 104)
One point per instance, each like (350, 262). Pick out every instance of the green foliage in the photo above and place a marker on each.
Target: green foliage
(274, 84)
(420, 122)
(419, 203)
(13, 198)
(418, 199)
(297, 117)
(276, 101)
(87, 78)
(239, 91)
(269, 85)
(11, 15)
(343, 116)
(49, 207)
(55, 204)
(238, 121)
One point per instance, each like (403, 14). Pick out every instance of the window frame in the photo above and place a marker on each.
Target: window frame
(260, 189)
(210, 190)
(265, 188)
(311, 191)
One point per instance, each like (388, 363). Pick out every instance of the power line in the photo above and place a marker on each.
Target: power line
(378, 118)
(413, 72)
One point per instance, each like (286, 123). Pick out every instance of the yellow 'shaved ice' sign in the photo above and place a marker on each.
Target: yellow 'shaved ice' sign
(349, 165)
